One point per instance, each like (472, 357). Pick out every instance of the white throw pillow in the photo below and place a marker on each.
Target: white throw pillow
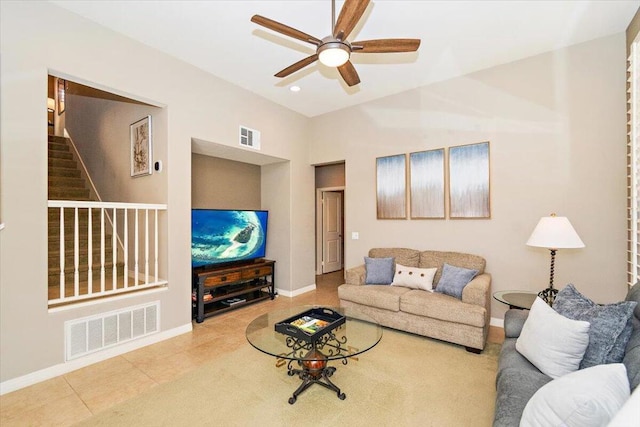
(414, 278)
(588, 397)
(629, 414)
(551, 342)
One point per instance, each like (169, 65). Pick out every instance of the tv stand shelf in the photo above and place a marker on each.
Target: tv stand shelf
(226, 288)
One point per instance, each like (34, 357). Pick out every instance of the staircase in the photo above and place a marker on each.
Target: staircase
(66, 183)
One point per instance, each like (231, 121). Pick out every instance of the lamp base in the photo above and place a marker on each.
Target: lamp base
(548, 295)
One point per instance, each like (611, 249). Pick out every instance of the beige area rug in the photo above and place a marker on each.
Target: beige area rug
(405, 380)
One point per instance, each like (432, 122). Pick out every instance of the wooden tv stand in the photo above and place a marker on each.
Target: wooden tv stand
(214, 290)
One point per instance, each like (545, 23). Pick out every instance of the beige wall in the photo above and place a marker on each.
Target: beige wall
(330, 175)
(224, 184)
(100, 130)
(31, 338)
(556, 123)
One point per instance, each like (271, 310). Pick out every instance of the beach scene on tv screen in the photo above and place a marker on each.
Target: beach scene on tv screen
(224, 236)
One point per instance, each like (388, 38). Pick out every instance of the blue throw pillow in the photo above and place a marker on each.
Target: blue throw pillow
(611, 325)
(454, 279)
(379, 271)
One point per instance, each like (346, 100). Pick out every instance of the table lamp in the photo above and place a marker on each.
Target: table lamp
(554, 232)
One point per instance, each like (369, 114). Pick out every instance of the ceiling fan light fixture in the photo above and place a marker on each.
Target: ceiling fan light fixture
(333, 53)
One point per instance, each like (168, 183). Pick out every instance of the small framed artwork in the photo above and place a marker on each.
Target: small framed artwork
(391, 187)
(427, 184)
(469, 195)
(141, 147)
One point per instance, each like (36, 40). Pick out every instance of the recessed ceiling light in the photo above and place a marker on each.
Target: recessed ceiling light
(294, 88)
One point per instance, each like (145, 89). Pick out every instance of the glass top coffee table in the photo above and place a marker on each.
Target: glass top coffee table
(307, 357)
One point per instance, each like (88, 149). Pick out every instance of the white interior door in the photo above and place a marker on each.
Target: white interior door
(331, 231)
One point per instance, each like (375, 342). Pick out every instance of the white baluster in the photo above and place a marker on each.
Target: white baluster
(135, 255)
(114, 250)
(126, 248)
(76, 253)
(146, 246)
(62, 253)
(102, 256)
(90, 250)
(155, 267)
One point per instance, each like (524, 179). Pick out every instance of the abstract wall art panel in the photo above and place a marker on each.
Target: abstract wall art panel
(469, 195)
(391, 187)
(427, 184)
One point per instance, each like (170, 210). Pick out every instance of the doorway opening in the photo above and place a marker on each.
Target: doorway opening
(330, 196)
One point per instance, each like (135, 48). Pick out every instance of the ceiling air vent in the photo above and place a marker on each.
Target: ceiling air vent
(249, 138)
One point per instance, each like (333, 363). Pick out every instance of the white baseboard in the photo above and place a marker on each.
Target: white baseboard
(297, 292)
(63, 368)
(497, 322)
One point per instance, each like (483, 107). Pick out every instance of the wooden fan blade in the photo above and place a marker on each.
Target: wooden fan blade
(298, 65)
(284, 29)
(349, 73)
(350, 14)
(386, 45)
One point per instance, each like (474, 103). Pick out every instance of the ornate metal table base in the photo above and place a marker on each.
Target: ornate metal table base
(314, 371)
(314, 362)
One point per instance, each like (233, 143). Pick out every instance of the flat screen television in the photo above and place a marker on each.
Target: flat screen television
(221, 236)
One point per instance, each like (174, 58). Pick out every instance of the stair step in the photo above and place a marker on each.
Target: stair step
(83, 216)
(57, 139)
(81, 194)
(62, 163)
(83, 259)
(55, 154)
(63, 172)
(55, 146)
(66, 182)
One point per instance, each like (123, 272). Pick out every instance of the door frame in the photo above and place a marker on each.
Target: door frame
(319, 236)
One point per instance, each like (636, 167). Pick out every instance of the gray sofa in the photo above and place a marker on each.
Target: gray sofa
(431, 314)
(517, 379)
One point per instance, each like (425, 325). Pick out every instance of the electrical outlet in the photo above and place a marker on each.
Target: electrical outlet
(355, 235)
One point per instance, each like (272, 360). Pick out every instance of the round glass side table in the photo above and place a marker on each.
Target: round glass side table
(516, 299)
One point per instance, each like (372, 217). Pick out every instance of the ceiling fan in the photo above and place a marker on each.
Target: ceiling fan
(334, 50)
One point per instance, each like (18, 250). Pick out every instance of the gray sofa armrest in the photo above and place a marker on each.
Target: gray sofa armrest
(514, 321)
(478, 291)
(355, 275)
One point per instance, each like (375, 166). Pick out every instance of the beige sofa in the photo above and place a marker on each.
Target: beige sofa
(431, 314)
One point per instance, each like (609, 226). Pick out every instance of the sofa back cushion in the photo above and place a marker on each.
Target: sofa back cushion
(404, 256)
(431, 259)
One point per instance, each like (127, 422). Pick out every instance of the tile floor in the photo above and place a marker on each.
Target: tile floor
(77, 395)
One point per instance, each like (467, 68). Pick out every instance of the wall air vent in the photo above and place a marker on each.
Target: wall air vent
(249, 138)
(90, 334)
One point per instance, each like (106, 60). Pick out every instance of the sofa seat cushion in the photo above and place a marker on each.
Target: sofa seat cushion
(514, 389)
(379, 296)
(516, 382)
(442, 307)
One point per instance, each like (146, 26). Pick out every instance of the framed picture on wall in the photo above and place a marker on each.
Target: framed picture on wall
(141, 147)
(469, 195)
(391, 187)
(427, 184)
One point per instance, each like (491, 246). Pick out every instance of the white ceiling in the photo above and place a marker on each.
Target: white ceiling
(458, 37)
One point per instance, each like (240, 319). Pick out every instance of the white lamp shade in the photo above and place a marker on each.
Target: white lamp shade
(555, 232)
(51, 104)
